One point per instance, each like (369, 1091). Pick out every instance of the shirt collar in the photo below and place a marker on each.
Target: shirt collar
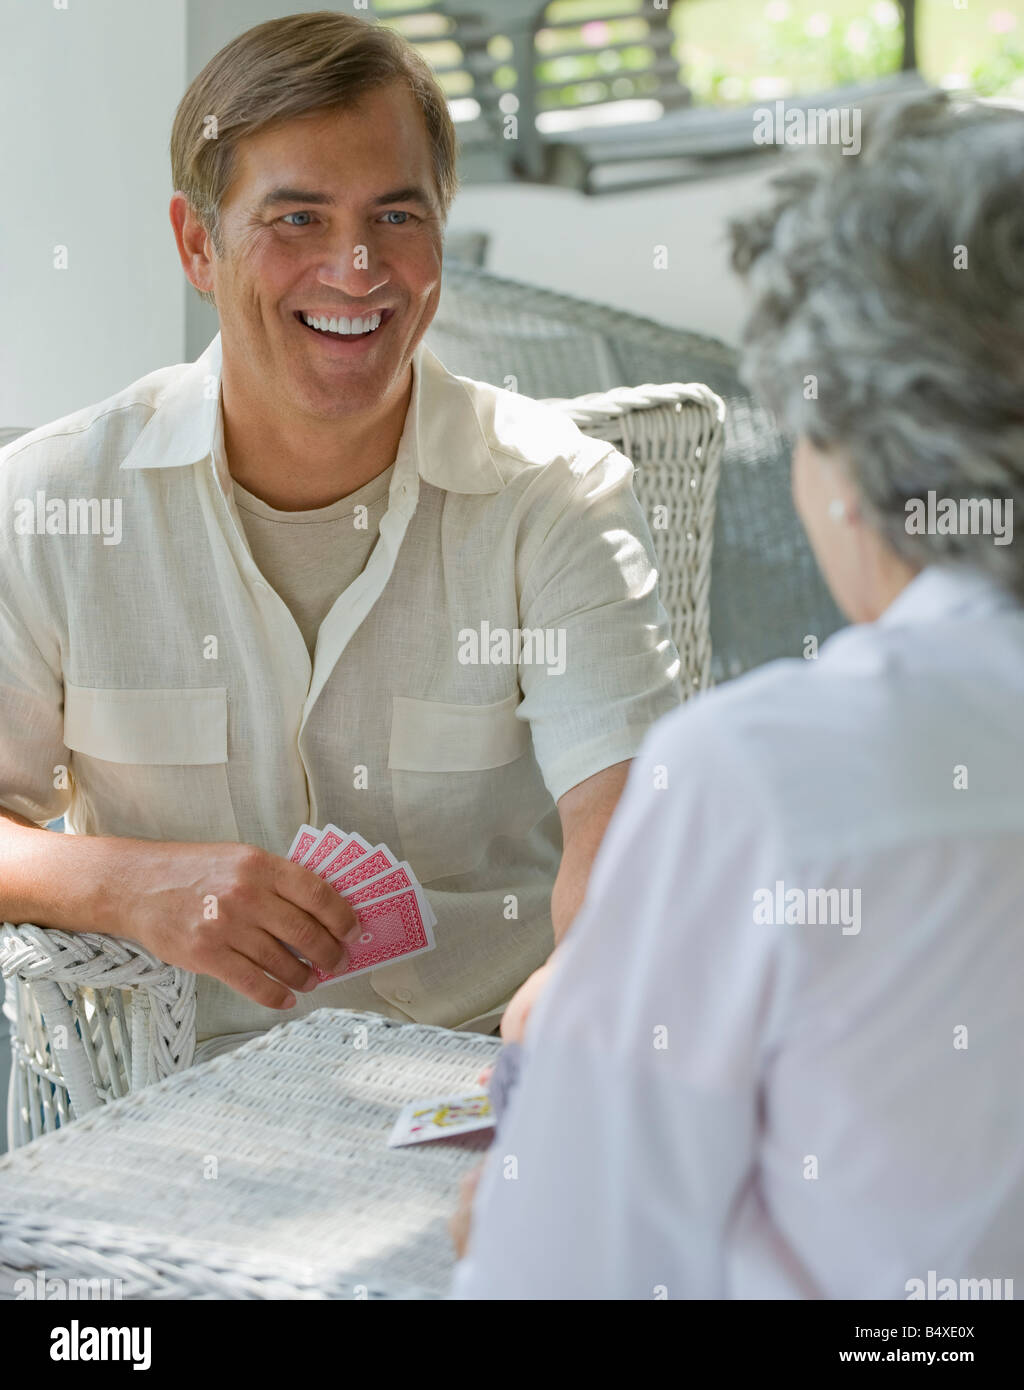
(945, 591)
(445, 425)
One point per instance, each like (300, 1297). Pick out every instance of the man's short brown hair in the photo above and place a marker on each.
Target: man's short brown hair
(286, 68)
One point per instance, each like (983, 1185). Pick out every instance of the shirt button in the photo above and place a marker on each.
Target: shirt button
(403, 995)
(261, 587)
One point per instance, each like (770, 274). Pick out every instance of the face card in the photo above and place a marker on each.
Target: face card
(353, 848)
(305, 838)
(378, 861)
(397, 926)
(331, 838)
(441, 1118)
(381, 885)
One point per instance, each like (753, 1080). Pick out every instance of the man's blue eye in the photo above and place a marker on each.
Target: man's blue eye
(296, 214)
(396, 212)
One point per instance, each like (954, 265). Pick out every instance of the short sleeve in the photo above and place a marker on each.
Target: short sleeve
(612, 669)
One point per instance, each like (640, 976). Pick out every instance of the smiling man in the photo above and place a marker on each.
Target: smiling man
(312, 514)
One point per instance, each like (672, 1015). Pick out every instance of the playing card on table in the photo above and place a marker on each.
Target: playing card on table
(400, 925)
(442, 1117)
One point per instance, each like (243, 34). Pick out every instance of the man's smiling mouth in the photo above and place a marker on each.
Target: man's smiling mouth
(339, 326)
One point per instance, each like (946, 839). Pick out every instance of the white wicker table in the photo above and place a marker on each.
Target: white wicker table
(261, 1174)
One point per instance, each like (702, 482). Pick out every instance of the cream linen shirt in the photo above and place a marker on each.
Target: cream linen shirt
(172, 681)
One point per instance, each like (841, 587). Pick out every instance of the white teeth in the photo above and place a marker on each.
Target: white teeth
(344, 326)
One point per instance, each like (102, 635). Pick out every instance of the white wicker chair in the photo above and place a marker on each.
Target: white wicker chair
(93, 1017)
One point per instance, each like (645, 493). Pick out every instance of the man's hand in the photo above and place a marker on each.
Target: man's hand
(513, 1020)
(225, 910)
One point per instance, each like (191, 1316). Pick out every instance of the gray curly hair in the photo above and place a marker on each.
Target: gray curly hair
(918, 364)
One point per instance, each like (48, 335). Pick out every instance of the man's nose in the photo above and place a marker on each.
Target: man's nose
(353, 265)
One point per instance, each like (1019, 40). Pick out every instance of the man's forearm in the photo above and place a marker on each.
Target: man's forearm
(585, 812)
(568, 893)
(574, 873)
(55, 880)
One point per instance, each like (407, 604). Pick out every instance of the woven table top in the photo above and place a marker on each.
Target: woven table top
(264, 1173)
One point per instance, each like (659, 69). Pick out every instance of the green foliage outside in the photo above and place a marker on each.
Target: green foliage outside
(733, 52)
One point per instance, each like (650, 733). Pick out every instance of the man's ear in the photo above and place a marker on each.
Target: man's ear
(195, 247)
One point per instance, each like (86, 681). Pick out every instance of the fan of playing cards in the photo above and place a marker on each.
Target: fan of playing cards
(389, 903)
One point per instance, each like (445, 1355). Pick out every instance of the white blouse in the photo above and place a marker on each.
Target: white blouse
(781, 1054)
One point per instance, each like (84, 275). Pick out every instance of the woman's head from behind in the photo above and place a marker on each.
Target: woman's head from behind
(887, 332)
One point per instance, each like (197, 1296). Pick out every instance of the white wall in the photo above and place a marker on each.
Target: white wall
(87, 95)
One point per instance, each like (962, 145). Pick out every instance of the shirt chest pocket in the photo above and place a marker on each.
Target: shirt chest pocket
(463, 778)
(150, 763)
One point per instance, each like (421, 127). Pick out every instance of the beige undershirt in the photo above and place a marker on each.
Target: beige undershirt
(312, 557)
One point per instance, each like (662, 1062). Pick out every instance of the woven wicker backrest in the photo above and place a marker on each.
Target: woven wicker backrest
(766, 592)
(673, 434)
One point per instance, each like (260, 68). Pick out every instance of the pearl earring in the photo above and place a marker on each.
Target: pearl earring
(837, 509)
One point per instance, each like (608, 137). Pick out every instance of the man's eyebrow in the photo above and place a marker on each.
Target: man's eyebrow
(412, 193)
(294, 195)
